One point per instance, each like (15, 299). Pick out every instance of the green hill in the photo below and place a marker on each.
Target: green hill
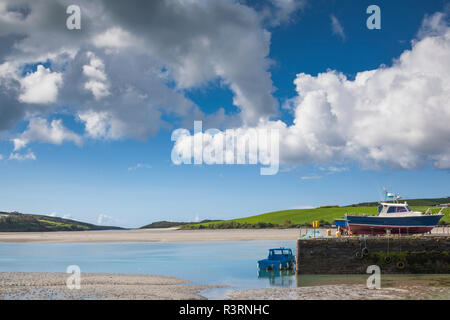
(19, 222)
(303, 217)
(170, 224)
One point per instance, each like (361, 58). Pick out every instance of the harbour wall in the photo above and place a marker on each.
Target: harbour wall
(394, 255)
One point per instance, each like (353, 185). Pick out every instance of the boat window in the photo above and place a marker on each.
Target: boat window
(401, 209)
(408, 209)
(287, 252)
(391, 210)
(380, 208)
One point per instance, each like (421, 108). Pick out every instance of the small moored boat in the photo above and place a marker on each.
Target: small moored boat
(278, 259)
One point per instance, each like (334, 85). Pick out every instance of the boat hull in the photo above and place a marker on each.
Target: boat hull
(402, 225)
(268, 264)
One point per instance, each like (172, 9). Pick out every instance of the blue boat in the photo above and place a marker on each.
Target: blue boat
(340, 223)
(278, 259)
(394, 217)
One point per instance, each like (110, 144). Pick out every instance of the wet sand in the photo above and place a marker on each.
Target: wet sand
(151, 235)
(46, 286)
(99, 286)
(343, 292)
(353, 287)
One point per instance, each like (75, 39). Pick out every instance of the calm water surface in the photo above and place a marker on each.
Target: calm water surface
(231, 263)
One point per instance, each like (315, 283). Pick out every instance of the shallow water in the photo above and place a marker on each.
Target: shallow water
(229, 263)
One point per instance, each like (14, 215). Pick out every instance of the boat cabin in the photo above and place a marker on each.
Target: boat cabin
(388, 208)
(279, 254)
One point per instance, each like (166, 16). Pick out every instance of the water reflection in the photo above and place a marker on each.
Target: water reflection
(278, 278)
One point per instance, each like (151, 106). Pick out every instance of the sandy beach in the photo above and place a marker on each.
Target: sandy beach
(343, 292)
(99, 286)
(164, 235)
(44, 286)
(353, 287)
(150, 235)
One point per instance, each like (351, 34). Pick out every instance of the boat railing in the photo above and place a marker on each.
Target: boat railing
(360, 214)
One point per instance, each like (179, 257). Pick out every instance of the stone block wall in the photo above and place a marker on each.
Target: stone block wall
(413, 254)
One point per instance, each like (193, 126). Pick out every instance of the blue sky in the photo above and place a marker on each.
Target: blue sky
(101, 176)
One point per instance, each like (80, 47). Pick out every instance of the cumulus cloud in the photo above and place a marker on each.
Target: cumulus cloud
(95, 72)
(134, 61)
(97, 124)
(41, 130)
(393, 116)
(396, 116)
(40, 86)
(114, 37)
(194, 40)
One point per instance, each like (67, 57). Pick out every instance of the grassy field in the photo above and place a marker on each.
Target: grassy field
(170, 224)
(298, 217)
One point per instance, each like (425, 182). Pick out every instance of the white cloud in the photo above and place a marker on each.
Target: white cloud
(139, 65)
(21, 157)
(434, 25)
(139, 166)
(276, 12)
(114, 37)
(65, 216)
(104, 219)
(1, 157)
(95, 72)
(41, 130)
(96, 123)
(396, 116)
(8, 69)
(40, 86)
(337, 28)
(109, 125)
(333, 170)
(311, 177)
(193, 40)
(393, 116)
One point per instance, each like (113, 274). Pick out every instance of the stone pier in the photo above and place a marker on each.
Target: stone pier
(394, 254)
